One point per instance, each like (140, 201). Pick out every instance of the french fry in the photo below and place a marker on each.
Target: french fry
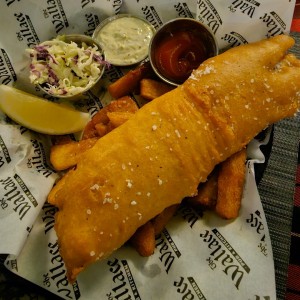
(143, 239)
(117, 118)
(130, 81)
(123, 104)
(100, 123)
(207, 192)
(230, 185)
(151, 89)
(89, 131)
(161, 220)
(65, 156)
(101, 129)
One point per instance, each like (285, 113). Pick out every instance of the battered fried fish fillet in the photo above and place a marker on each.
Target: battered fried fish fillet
(169, 146)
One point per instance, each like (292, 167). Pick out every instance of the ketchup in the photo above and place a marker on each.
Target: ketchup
(178, 54)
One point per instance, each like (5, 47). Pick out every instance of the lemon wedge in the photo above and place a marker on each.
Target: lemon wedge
(40, 115)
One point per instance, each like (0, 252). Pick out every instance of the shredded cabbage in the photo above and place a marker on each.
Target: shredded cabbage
(65, 68)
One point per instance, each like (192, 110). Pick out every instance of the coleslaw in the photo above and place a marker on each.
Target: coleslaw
(65, 68)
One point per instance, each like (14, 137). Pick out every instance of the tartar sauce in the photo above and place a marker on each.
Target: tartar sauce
(125, 40)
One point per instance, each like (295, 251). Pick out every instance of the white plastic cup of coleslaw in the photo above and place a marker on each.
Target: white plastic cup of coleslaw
(124, 39)
(67, 66)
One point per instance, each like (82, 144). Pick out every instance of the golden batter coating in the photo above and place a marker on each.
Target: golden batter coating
(160, 155)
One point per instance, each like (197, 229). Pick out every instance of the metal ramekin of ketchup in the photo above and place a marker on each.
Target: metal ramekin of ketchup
(179, 47)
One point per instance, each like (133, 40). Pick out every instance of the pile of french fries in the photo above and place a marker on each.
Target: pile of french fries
(223, 190)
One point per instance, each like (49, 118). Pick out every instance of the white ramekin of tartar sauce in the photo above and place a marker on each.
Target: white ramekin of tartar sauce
(124, 39)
